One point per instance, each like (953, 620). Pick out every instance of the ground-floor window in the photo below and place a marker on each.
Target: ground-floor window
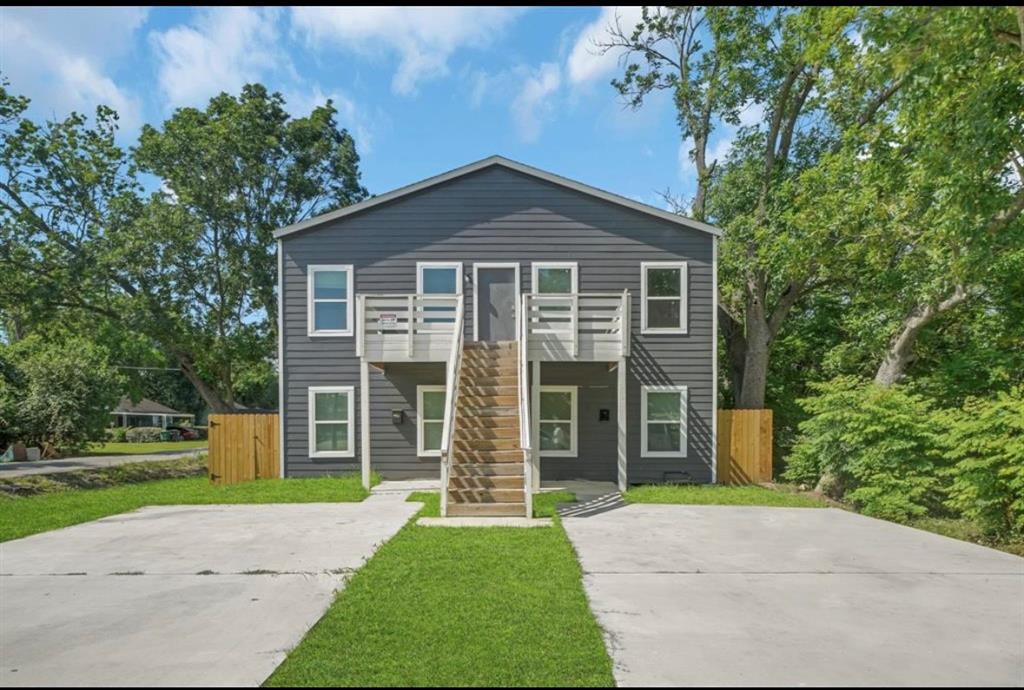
(558, 421)
(429, 420)
(330, 421)
(663, 411)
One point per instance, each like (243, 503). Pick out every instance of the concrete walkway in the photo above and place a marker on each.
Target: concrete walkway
(21, 469)
(723, 595)
(180, 595)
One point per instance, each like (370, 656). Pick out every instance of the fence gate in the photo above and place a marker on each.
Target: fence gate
(744, 446)
(243, 447)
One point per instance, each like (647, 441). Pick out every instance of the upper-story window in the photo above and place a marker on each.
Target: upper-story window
(439, 278)
(663, 297)
(555, 277)
(330, 300)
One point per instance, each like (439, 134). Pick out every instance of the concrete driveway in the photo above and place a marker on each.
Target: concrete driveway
(721, 595)
(180, 595)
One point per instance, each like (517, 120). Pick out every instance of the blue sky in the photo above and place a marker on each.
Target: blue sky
(422, 90)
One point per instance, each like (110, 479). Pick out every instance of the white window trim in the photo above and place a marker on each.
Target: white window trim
(536, 265)
(683, 296)
(574, 423)
(457, 265)
(476, 281)
(311, 270)
(311, 413)
(420, 450)
(683, 406)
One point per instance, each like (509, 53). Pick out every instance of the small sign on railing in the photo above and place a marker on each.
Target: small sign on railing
(387, 319)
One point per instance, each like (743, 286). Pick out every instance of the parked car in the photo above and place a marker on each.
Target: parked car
(185, 432)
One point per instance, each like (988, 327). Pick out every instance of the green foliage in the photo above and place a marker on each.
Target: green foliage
(118, 434)
(56, 395)
(143, 434)
(986, 443)
(720, 495)
(878, 445)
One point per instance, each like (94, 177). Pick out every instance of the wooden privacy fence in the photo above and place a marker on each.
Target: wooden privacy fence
(243, 447)
(744, 446)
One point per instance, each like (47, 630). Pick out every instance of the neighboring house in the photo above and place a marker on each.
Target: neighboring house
(147, 413)
(531, 297)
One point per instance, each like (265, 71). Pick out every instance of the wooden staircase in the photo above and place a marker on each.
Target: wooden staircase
(486, 476)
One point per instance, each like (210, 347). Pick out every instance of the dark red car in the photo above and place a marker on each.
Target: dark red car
(186, 433)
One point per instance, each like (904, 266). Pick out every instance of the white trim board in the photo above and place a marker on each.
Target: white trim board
(476, 282)
(311, 271)
(503, 162)
(350, 422)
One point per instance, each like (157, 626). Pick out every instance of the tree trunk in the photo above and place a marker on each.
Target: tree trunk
(736, 352)
(755, 360)
(900, 352)
(210, 395)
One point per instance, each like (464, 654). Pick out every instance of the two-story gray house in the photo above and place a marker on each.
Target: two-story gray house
(499, 326)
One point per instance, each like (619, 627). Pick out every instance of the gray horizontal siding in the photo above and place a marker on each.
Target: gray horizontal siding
(499, 215)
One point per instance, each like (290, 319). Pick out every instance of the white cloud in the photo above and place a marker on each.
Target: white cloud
(60, 57)
(225, 48)
(587, 62)
(532, 106)
(424, 38)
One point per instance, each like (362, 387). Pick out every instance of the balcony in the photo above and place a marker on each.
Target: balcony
(583, 327)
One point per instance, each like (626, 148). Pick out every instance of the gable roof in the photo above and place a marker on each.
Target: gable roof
(511, 165)
(145, 406)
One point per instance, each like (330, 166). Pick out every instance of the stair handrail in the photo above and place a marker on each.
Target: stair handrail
(453, 372)
(524, 407)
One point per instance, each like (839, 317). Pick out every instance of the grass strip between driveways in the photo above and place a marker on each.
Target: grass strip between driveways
(21, 516)
(718, 494)
(468, 606)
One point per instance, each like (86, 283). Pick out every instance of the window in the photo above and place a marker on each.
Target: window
(429, 420)
(663, 410)
(663, 297)
(557, 420)
(437, 278)
(329, 297)
(330, 422)
(551, 277)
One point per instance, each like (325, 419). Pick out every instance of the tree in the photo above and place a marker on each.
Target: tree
(56, 395)
(190, 267)
(715, 61)
(946, 156)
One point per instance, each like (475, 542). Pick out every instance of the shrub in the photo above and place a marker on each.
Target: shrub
(143, 434)
(57, 395)
(117, 434)
(986, 445)
(876, 447)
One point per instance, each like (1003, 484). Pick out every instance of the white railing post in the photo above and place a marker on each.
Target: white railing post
(524, 411)
(411, 323)
(360, 325)
(574, 305)
(625, 325)
(451, 391)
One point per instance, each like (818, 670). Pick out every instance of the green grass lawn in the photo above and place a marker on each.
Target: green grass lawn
(21, 516)
(112, 448)
(717, 494)
(443, 606)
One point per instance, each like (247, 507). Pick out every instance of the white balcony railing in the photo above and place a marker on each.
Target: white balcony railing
(581, 326)
(406, 328)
